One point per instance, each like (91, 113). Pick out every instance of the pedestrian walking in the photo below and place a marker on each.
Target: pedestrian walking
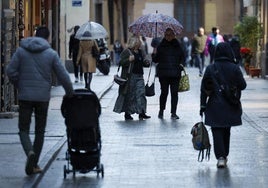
(198, 48)
(187, 48)
(30, 71)
(170, 57)
(223, 74)
(73, 52)
(212, 41)
(131, 98)
(118, 48)
(87, 49)
(235, 45)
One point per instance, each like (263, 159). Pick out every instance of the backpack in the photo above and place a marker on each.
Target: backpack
(201, 141)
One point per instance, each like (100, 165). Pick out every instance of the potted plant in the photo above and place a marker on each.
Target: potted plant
(250, 31)
(246, 55)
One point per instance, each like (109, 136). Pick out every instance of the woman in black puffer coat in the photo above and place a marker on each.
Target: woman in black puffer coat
(169, 56)
(220, 114)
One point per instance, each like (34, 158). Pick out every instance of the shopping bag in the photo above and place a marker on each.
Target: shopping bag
(184, 84)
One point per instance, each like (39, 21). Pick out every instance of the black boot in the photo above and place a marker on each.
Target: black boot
(143, 116)
(161, 114)
(128, 117)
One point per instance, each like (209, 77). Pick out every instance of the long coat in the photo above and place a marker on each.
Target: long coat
(219, 112)
(131, 98)
(88, 62)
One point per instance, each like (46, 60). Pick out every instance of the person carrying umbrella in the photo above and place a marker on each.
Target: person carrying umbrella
(169, 56)
(88, 33)
(85, 54)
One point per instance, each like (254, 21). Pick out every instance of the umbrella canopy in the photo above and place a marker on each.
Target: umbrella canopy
(154, 25)
(91, 30)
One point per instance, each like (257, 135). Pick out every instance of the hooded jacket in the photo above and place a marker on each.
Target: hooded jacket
(31, 67)
(218, 111)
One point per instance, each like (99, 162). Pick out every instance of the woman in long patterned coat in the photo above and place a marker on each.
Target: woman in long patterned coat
(131, 98)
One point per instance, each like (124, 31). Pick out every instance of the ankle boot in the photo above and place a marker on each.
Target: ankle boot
(143, 116)
(160, 114)
(128, 117)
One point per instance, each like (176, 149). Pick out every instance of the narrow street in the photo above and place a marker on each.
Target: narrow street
(159, 153)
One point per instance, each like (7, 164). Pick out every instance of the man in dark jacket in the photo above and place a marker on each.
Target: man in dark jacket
(73, 52)
(30, 71)
(169, 56)
(220, 113)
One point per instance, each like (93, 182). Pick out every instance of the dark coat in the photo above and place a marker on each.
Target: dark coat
(169, 56)
(219, 112)
(31, 67)
(73, 46)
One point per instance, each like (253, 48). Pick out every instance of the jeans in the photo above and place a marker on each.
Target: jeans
(117, 58)
(26, 109)
(77, 68)
(165, 83)
(199, 60)
(221, 140)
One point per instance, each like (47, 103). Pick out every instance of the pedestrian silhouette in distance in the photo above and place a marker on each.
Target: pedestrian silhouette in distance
(198, 49)
(212, 41)
(73, 52)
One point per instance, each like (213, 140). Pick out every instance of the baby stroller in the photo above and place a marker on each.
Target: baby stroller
(81, 113)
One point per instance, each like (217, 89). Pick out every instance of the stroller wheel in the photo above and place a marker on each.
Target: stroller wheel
(102, 170)
(64, 171)
(73, 173)
(67, 155)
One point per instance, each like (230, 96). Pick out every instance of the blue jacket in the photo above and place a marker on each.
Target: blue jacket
(31, 67)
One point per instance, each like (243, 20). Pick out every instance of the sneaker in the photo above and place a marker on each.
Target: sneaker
(30, 163)
(174, 116)
(76, 80)
(221, 162)
(161, 114)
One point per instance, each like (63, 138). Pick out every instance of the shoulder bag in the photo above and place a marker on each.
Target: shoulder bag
(118, 79)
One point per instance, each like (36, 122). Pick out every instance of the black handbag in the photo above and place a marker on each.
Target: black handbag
(149, 89)
(119, 80)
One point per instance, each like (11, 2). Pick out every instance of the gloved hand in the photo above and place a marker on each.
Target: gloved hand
(202, 110)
